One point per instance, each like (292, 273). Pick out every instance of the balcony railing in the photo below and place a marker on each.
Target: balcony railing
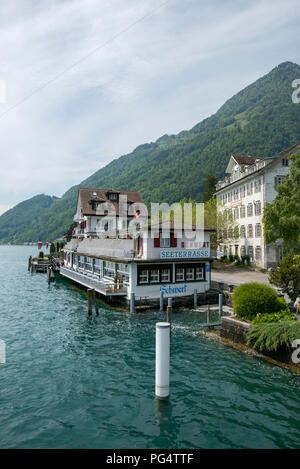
(107, 289)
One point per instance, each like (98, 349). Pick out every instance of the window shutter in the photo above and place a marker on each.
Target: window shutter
(173, 241)
(157, 241)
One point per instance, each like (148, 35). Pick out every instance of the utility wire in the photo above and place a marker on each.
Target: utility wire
(82, 59)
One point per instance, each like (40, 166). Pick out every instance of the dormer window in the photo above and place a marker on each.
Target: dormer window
(113, 196)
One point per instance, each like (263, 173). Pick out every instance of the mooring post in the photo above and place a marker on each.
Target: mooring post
(207, 314)
(95, 303)
(169, 310)
(220, 304)
(162, 360)
(195, 298)
(29, 262)
(89, 298)
(132, 302)
(161, 301)
(48, 275)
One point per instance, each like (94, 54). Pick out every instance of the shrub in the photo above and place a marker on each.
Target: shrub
(246, 259)
(231, 258)
(250, 299)
(41, 255)
(275, 317)
(271, 337)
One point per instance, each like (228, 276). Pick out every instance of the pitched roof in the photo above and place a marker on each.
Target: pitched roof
(288, 150)
(247, 160)
(87, 196)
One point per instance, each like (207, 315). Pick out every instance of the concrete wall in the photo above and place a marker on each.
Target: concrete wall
(234, 330)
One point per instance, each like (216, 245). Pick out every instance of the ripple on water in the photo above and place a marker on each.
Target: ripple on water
(76, 382)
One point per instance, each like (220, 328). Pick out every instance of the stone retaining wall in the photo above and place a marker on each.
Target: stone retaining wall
(234, 330)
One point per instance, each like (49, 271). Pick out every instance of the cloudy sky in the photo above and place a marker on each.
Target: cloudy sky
(85, 81)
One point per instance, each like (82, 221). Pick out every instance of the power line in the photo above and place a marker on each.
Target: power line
(82, 59)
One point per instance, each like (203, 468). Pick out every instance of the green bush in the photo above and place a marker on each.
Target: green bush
(251, 299)
(275, 317)
(231, 257)
(41, 255)
(271, 337)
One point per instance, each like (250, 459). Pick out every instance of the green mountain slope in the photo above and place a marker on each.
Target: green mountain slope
(25, 217)
(259, 120)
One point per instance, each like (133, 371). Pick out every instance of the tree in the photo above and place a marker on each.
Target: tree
(282, 216)
(287, 276)
(210, 187)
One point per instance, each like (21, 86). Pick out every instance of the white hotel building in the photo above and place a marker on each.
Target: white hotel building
(118, 264)
(249, 185)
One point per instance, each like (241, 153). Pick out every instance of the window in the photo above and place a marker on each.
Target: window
(250, 252)
(258, 252)
(250, 231)
(279, 180)
(189, 273)
(257, 185)
(258, 230)
(236, 232)
(249, 210)
(165, 275)
(236, 194)
(154, 274)
(257, 208)
(242, 192)
(285, 162)
(113, 196)
(242, 211)
(179, 274)
(243, 231)
(165, 242)
(236, 213)
(229, 196)
(199, 273)
(143, 276)
(109, 269)
(243, 250)
(249, 188)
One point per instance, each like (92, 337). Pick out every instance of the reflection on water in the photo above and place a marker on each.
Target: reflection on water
(73, 381)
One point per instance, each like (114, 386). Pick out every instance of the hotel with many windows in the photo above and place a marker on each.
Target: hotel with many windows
(250, 183)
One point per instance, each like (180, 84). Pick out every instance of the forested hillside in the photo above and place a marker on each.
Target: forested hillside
(259, 120)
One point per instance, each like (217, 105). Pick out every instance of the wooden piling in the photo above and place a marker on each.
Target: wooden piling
(29, 263)
(169, 310)
(89, 299)
(95, 302)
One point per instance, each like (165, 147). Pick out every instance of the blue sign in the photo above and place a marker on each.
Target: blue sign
(207, 268)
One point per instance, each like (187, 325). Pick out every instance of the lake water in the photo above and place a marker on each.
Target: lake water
(71, 381)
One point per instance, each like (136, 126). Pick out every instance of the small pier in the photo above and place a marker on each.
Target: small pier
(36, 265)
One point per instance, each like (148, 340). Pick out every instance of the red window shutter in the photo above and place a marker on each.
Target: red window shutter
(156, 241)
(173, 241)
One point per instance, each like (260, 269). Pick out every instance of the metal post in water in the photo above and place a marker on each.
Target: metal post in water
(132, 302)
(48, 275)
(161, 301)
(29, 262)
(207, 314)
(162, 360)
(169, 310)
(195, 298)
(220, 304)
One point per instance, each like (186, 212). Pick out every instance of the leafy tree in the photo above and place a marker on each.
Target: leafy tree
(287, 276)
(52, 248)
(282, 216)
(210, 187)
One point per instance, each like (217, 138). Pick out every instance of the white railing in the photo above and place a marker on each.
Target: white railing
(89, 282)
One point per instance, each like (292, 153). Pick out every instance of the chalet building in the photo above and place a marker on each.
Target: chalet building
(105, 256)
(251, 183)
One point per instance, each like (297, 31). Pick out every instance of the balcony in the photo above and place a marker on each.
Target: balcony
(107, 289)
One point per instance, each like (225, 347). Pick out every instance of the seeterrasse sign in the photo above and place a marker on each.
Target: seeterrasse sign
(184, 253)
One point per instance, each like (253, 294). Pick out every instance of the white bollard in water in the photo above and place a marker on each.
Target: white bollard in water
(162, 362)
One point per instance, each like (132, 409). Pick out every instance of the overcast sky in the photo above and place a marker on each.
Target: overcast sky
(151, 67)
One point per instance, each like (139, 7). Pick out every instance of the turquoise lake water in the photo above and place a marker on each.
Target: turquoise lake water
(71, 381)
